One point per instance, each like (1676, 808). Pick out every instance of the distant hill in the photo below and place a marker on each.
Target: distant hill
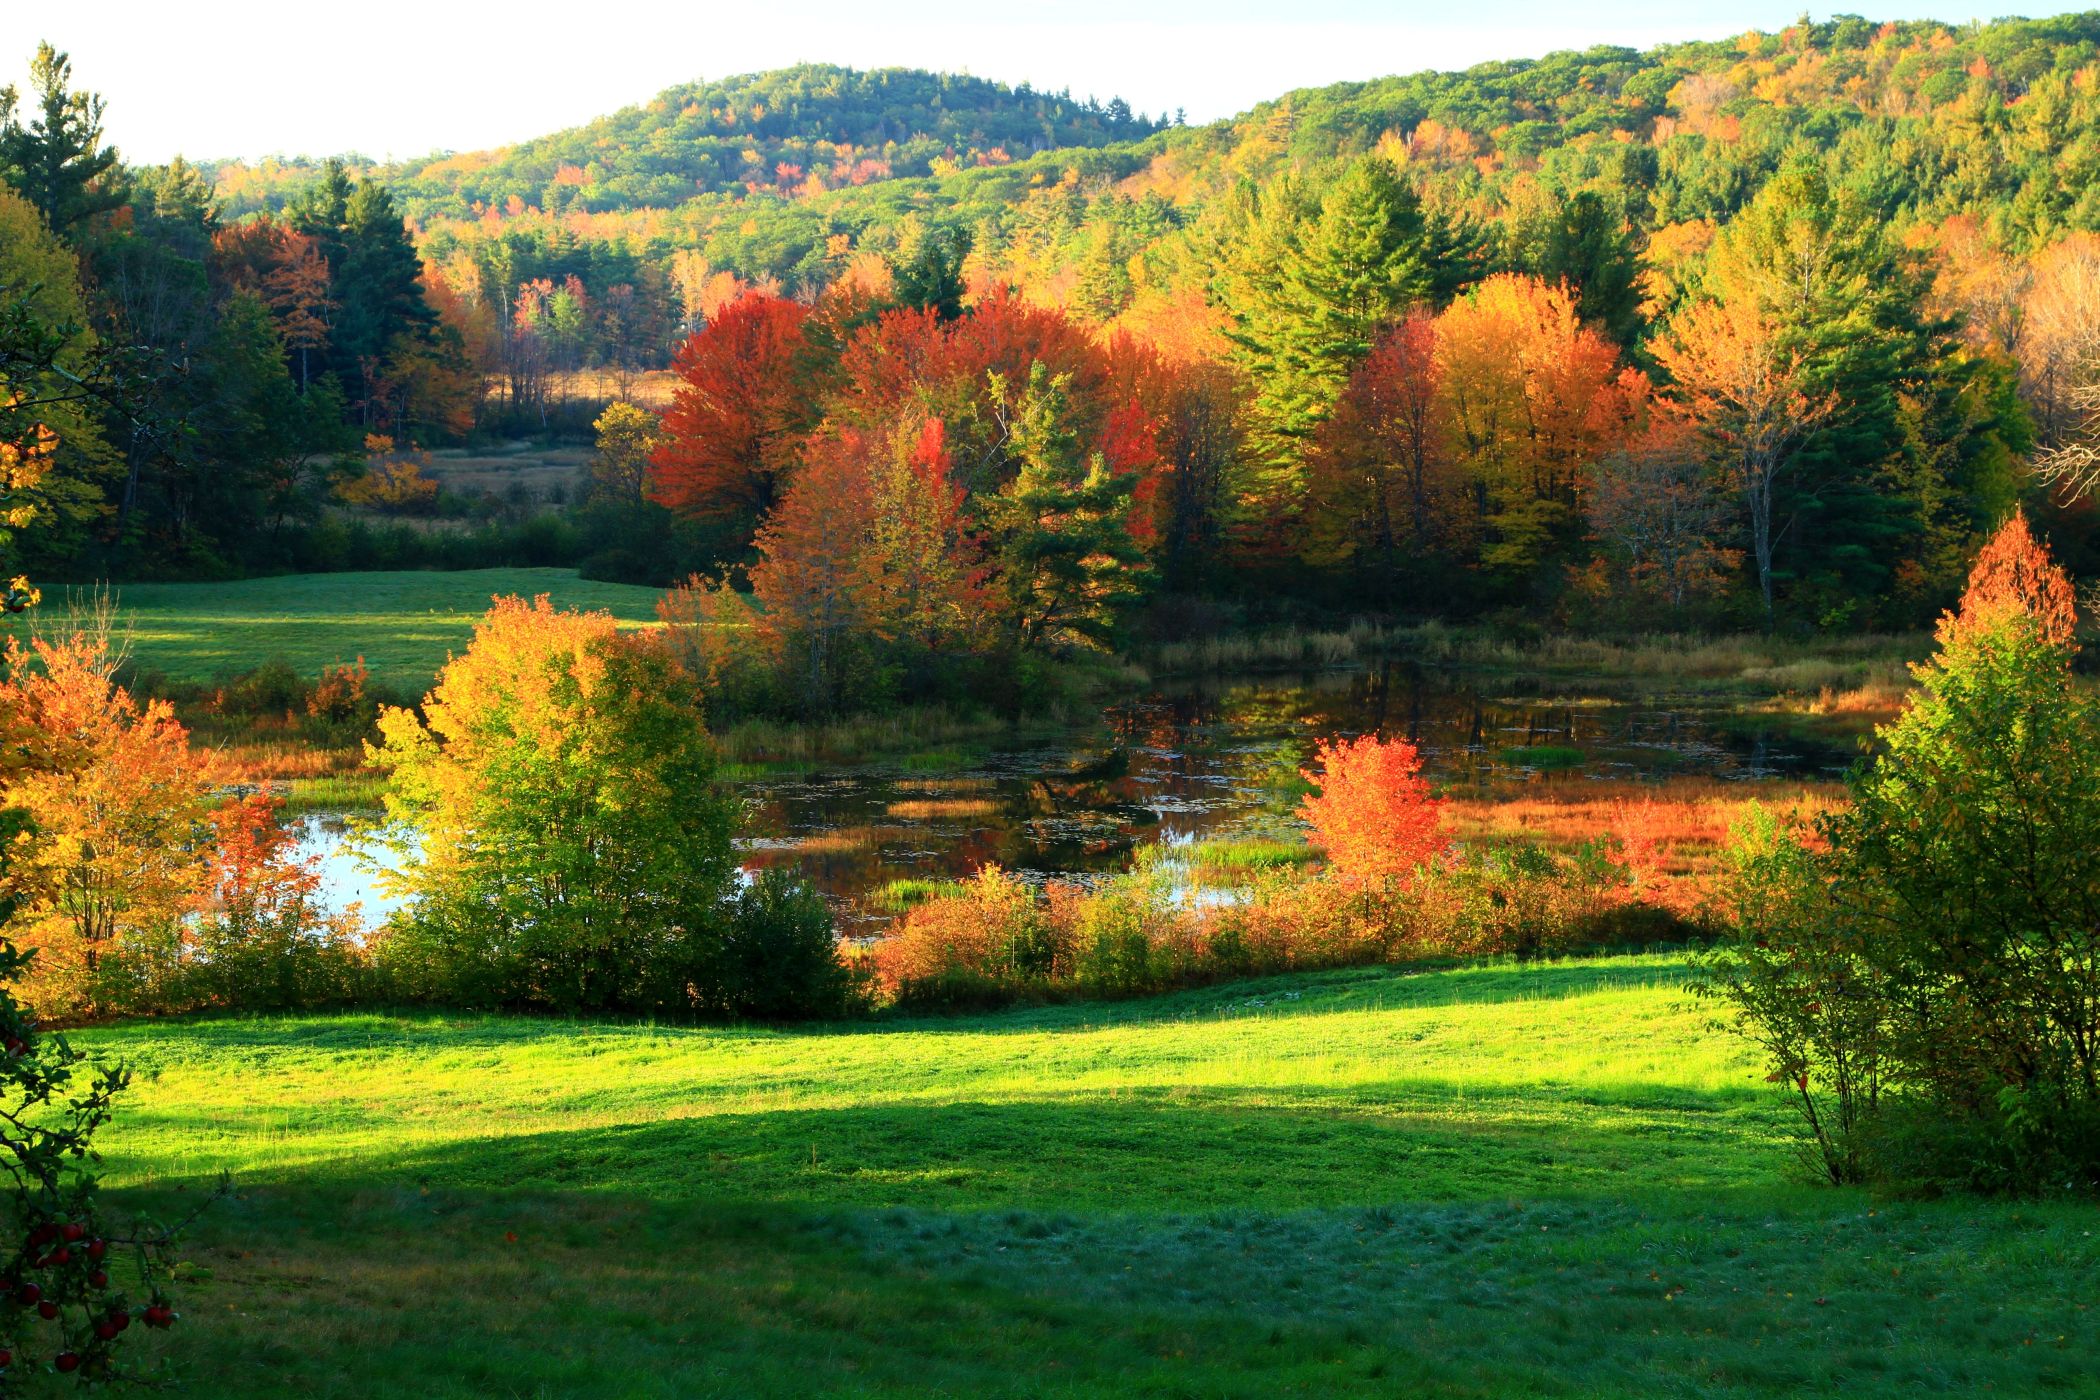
(795, 131)
(773, 174)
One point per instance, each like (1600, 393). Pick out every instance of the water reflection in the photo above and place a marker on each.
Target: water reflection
(1209, 757)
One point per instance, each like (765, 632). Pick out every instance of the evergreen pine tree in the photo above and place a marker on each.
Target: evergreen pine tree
(57, 160)
(1067, 563)
(1588, 248)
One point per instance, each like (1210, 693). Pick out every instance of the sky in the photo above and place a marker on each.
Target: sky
(221, 78)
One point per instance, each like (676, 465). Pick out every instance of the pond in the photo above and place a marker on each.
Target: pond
(1203, 758)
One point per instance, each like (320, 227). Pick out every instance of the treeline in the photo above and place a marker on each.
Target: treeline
(1925, 120)
(207, 384)
(1811, 426)
(793, 131)
(1753, 334)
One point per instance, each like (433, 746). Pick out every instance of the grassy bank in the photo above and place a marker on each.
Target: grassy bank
(1497, 1180)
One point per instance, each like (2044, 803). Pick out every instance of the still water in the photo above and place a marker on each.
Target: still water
(1206, 758)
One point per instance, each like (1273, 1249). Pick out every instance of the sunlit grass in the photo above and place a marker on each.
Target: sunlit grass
(1494, 1180)
(937, 808)
(403, 623)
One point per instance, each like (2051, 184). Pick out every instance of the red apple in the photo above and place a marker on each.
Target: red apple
(67, 1361)
(47, 1309)
(72, 1232)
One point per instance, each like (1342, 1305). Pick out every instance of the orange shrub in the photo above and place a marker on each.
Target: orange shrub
(973, 945)
(1374, 813)
(119, 803)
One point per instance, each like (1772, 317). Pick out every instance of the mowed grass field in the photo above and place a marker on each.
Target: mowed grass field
(404, 624)
(1493, 1181)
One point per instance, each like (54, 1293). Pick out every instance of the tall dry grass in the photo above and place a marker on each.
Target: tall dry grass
(1751, 662)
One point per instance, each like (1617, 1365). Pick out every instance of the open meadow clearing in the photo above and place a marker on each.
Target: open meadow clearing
(403, 623)
(1493, 1180)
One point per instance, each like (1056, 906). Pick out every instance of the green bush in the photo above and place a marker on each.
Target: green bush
(564, 843)
(1926, 979)
(779, 958)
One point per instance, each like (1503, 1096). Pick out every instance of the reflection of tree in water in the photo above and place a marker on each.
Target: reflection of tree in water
(1224, 754)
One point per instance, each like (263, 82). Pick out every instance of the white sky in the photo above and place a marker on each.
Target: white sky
(214, 78)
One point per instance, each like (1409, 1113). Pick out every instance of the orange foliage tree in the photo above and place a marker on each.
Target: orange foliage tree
(1374, 813)
(813, 577)
(1748, 387)
(1381, 478)
(1530, 399)
(2014, 572)
(1661, 514)
(927, 572)
(121, 808)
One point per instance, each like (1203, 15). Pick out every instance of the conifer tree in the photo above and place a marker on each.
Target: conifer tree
(56, 159)
(1313, 288)
(1588, 247)
(1067, 563)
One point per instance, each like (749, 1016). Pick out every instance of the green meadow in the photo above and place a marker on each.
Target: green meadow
(404, 624)
(1484, 1181)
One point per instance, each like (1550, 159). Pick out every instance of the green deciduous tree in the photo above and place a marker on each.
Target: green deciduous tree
(564, 842)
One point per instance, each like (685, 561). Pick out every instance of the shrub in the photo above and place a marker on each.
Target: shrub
(779, 958)
(981, 944)
(1126, 942)
(1373, 813)
(1946, 944)
(258, 939)
(1796, 986)
(564, 843)
(121, 804)
(991, 940)
(342, 698)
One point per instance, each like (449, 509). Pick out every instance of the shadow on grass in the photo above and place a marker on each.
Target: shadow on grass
(345, 1281)
(1171, 1149)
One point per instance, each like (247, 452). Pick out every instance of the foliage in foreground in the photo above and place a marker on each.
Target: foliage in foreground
(996, 940)
(563, 843)
(1923, 970)
(144, 887)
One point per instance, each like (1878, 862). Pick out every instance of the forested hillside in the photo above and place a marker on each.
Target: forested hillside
(1483, 328)
(1923, 118)
(796, 132)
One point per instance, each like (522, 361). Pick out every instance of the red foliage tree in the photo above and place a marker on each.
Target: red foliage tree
(913, 364)
(736, 420)
(1381, 475)
(1374, 813)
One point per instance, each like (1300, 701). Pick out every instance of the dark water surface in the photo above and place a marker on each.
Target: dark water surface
(1213, 757)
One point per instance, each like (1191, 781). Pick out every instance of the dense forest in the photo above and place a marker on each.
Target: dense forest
(1758, 333)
